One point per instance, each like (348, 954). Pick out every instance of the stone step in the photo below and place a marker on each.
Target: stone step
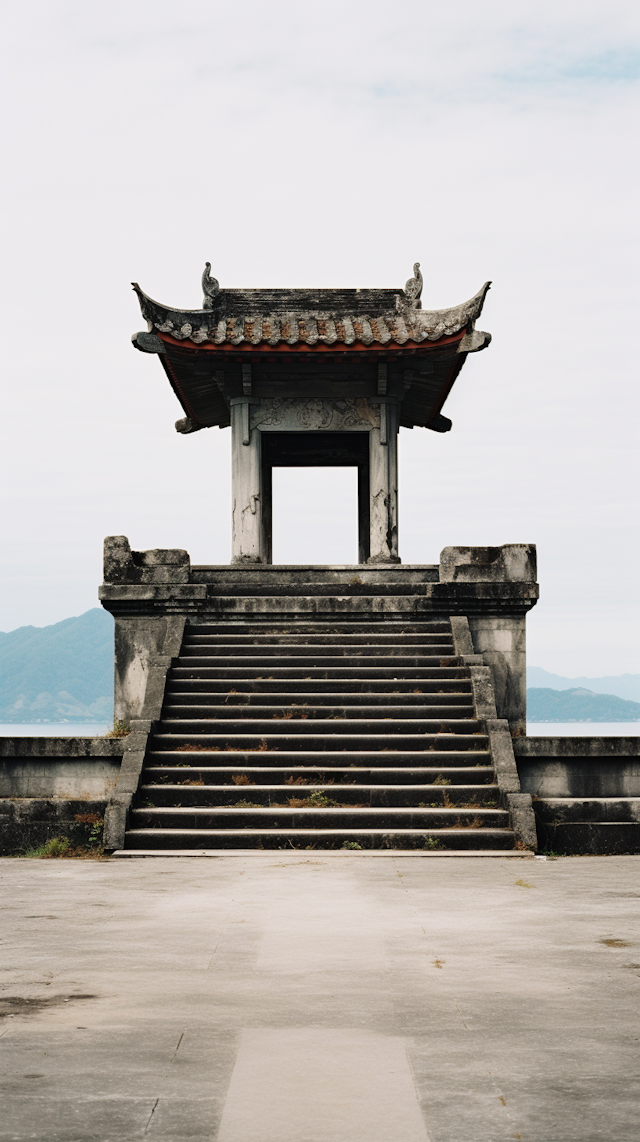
(305, 650)
(322, 838)
(321, 853)
(321, 743)
(165, 753)
(263, 624)
(244, 815)
(382, 727)
(332, 661)
(316, 638)
(270, 689)
(173, 712)
(312, 673)
(376, 796)
(157, 770)
(402, 704)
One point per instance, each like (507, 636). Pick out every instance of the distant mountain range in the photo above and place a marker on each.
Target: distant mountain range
(64, 673)
(579, 705)
(624, 685)
(59, 673)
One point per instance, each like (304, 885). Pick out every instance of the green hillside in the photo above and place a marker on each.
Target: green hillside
(579, 705)
(59, 673)
(624, 685)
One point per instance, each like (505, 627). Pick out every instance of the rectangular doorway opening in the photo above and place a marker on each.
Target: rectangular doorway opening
(315, 515)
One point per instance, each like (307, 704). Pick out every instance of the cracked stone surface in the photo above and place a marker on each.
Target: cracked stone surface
(315, 997)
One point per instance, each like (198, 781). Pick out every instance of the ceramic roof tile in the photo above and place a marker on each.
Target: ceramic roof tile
(350, 317)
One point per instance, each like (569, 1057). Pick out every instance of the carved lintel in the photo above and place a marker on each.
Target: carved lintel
(382, 380)
(294, 414)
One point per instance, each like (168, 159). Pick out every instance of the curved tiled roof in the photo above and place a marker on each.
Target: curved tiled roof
(310, 317)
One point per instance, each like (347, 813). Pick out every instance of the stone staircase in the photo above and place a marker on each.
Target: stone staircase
(319, 735)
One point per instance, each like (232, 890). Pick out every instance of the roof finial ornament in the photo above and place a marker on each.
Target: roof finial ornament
(413, 288)
(210, 287)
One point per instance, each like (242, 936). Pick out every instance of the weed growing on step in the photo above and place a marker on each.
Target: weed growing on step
(241, 779)
(320, 800)
(316, 800)
(120, 730)
(246, 805)
(432, 843)
(440, 780)
(350, 845)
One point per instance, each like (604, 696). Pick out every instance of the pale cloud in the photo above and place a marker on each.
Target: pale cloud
(327, 144)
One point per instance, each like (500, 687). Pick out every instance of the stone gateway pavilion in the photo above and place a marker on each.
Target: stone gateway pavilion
(373, 707)
(366, 707)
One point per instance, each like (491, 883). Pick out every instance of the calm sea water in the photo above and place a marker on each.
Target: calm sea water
(534, 729)
(583, 729)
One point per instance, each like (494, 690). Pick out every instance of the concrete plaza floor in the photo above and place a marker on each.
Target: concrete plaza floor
(309, 998)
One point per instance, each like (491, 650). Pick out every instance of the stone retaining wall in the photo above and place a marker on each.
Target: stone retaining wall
(48, 785)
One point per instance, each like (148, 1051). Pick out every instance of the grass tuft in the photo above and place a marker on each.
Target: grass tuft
(120, 730)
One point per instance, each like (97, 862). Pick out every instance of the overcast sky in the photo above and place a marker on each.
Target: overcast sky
(329, 144)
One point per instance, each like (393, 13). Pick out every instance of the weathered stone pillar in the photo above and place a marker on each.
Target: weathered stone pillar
(383, 483)
(246, 487)
(500, 637)
(502, 642)
(145, 627)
